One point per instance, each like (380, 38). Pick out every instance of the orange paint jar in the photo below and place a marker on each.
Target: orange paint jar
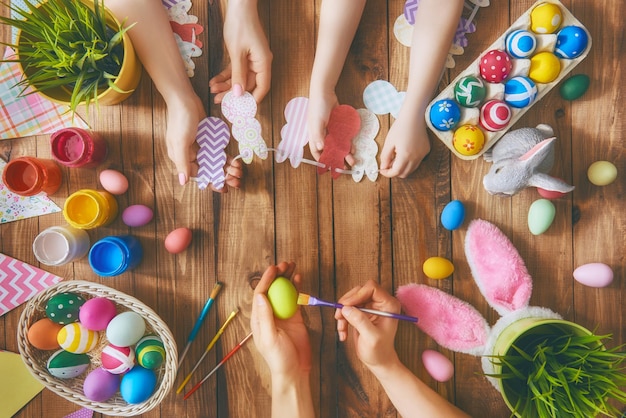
(30, 176)
(88, 209)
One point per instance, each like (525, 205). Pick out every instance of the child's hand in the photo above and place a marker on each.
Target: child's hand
(250, 55)
(318, 113)
(374, 334)
(405, 147)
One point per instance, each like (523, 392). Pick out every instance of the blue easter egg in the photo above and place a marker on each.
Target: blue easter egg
(571, 41)
(520, 91)
(520, 44)
(138, 385)
(453, 215)
(445, 114)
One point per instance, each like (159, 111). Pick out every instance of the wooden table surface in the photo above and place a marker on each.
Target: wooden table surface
(341, 233)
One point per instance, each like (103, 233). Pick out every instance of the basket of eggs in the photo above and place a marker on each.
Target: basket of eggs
(98, 347)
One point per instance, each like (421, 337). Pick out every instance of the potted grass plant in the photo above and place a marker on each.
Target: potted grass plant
(73, 52)
(556, 368)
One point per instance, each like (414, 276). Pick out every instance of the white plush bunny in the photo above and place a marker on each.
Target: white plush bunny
(503, 280)
(523, 158)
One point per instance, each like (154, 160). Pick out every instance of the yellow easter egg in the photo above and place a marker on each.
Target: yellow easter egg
(545, 18)
(437, 268)
(283, 297)
(544, 67)
(602, 173)
(468, 140)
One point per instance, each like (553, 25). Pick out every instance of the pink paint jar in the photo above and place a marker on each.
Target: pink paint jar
(30, 176)
(76, 147)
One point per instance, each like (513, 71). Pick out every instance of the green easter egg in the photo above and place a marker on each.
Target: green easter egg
(574, 87)
(283, 297)
(150, 352)
(66, 365)
(63, 308)
(540, 216)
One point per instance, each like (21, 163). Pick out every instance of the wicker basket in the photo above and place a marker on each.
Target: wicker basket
(72, 389)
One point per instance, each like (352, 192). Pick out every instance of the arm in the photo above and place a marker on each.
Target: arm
(285, 346)
(339, 20)
(407, 142)
(374, 339)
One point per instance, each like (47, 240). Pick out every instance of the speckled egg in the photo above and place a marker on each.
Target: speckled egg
(495, 66)
(137, 215)
(283, 297)
(117, 360)
(138, 385)
(113, 181)
(594, 274)
(520, 92)
(75, 338)
(96, 313)
(540, 216)
(437, 365)
(545, 18)
(444, 114)
(468, 140)
(520, 43)
(126, 329)
(63, 308)
(495, 115)
(470, 91)
(100, 385)
(150, 352)
(43, 334)
(453, 215)
(602, 173)
(66, 365)
(545, 67)
(437, 268)
(571, 42)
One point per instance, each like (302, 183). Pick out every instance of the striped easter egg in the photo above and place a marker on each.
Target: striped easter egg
(66, 365)
(117, 360)
(150, 352)
(520, 43)
(495, 115)
(75, 338)
(520, 91)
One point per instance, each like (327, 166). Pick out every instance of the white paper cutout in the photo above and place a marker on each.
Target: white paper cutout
(294, 133)
(240, 112)
(381, 97)
(366, 147)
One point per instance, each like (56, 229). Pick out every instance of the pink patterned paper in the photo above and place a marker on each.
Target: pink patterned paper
(294, 133)
(20, 281)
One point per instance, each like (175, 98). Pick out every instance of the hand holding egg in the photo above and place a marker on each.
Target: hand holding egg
(283, 298)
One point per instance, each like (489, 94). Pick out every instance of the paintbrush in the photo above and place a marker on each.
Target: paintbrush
(208, 348)
(226, 357)
(304, 299)
(200, 320)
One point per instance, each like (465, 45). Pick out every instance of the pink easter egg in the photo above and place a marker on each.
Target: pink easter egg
(594, 274)
(495, 66)
(495, 115)
(117, 360)
(437, 365)
(95, 314)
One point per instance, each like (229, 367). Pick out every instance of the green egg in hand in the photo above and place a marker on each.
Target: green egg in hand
(283, 297)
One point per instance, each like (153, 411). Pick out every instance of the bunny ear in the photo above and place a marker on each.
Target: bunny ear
(550, 183)
(497, 267)
(539, 152)
(451, 322)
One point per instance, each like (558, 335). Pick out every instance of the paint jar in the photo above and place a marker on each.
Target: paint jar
(77, 147)
(88, 208)
(113, 255)
(60, 245)
(30, 176)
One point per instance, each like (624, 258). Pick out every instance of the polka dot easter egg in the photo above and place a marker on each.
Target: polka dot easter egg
(445, 114)
(520, 43)
(75, 338)
(470, 91)
(495, 115)
(66, 365)
(495, 66)
(520, 91)
(545, 18)
(64, 307)
(468, 140)
(150, 352)
(571, 41)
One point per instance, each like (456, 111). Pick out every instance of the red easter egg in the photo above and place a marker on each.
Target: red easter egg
(495, 66)
(117, 360)
(495, 115)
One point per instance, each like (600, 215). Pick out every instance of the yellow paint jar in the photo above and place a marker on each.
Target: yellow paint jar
(88, 209)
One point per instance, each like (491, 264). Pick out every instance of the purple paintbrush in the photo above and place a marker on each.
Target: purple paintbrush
(304, 299)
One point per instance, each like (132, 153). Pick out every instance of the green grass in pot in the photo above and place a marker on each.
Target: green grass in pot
(563, 376)
(67, 44)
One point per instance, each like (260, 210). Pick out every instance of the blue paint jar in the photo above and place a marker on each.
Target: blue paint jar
(113, 255)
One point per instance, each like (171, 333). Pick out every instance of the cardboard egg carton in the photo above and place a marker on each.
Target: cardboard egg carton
(545, 42)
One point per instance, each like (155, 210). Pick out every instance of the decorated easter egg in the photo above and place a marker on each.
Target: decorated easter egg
(544, 67)
(437, 268)
(540, 216)
(594, 274)
(283, 297)
(574, 87)
(520, 43)
(75, 338)
(138, 385)
(602, 173)
(444, 114)
(96, 313)
(437, 365)
(113, 181)
(137, 215)
(453, 215)
(468, 140)
(178, 240)
(66, 365)
(571, 41)
(126, 329)
(545, 18)
(43, 334)
(117, 360)
(63, 308)
(495, 66)
(470, 91)
(150, 352)
(100, 385)
(520, 91)
(495, 115)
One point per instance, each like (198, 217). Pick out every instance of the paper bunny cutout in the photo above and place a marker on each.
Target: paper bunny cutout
(212, 137)
(502, 279)
(381, 97)
(522, 158)
(294, 133)
(343, 125)
(366, 148)
(241, 112)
